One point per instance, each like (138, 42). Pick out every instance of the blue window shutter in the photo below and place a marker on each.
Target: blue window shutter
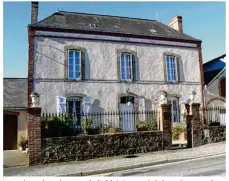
(83, 66)
(61, 104)
(133, 68)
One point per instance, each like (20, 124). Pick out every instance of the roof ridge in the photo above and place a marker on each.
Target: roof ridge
(222, 56)
(14, 78)
(106, 15)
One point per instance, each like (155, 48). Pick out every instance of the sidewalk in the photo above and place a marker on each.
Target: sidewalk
(110, 164)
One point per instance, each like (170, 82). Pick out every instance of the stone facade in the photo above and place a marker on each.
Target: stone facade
(94, 146)
(101, 74)
(213, 134)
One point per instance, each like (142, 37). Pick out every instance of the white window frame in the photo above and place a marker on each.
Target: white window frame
(167, 73)
(74, 73)
(131, 60)
(171, 99)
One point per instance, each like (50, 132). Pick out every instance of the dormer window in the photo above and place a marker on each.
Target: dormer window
(153, 31)
(92, 25)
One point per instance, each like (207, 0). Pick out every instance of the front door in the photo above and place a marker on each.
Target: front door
(127, 118)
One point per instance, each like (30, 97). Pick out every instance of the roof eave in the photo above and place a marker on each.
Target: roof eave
(46, 28)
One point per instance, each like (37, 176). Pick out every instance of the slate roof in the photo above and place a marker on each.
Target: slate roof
(15, 92)
(111, 24)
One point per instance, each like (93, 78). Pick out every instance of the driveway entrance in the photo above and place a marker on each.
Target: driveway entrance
(10, 123)
(14, 158)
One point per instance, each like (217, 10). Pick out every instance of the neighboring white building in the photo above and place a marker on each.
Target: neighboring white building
(215, 82)
(107, 61)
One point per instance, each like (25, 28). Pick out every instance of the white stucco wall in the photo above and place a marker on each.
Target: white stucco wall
(212, 97)
(101, 63)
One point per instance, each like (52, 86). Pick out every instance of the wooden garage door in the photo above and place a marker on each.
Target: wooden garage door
(10, 132)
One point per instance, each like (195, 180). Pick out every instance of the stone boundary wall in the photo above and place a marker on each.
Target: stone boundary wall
(213, 134)
(62, 149)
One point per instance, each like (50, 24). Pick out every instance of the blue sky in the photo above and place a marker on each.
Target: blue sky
(202, 20)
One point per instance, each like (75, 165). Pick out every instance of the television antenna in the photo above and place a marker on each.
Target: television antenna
(157, 17)
(57, 6)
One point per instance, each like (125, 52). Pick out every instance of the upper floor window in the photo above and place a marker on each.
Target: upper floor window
(126, 66)
(222, 87)
(74, 64)
(171, 69)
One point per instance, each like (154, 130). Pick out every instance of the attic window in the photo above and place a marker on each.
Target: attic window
(92, 25)
(153, 31)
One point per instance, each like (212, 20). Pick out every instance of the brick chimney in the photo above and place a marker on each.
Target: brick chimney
(34, 12)
(176, 23)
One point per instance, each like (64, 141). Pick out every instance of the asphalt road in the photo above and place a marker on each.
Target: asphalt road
(211, 166)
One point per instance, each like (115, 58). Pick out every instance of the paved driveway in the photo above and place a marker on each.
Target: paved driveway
(14, 158)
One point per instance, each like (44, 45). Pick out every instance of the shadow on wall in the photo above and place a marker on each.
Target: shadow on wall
(148, 105)
(98, 119)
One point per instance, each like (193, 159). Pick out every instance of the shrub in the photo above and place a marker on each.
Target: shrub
(152, 123)
(87, 123)
(141, 126)
(177, 129)
(57, 126)
(114, 130)
(109, 129)
(88, 127)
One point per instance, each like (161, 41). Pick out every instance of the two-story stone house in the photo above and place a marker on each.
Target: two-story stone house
(107, 61)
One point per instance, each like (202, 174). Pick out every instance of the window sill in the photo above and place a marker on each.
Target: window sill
(172, 82)
(127, 81)
(73, 80)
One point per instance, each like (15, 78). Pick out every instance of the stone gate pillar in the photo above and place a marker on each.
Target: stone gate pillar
(34, 135)
(194, 125)
(34, 132)
(189, 126)
(164, 121)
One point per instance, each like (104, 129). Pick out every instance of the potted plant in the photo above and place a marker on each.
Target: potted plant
(142, 126)
(22, 143)
(178, 131)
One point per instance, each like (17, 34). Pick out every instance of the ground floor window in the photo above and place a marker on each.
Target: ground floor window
(74, 108)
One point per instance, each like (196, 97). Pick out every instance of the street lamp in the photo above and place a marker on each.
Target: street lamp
(35, 99)
(192, 96)
(128, 98)
(163, 97)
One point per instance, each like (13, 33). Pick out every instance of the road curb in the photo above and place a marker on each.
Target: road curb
(94, 172)
(128, 167)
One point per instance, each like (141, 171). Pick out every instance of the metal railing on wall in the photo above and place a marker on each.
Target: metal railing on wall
(69, 124)
(214, 116)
